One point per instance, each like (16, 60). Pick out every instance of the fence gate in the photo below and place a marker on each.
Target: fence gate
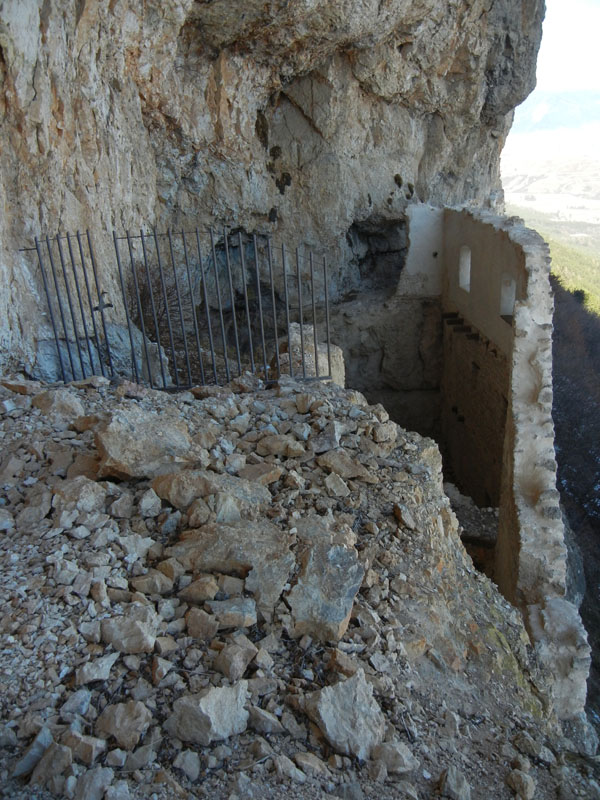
(191, 310)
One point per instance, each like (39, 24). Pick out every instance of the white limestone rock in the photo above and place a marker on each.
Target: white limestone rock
(348, 716)
(133, 632)
(127, 722)
(396, 756)
(212, 715)
(321, 600)
(96, 670)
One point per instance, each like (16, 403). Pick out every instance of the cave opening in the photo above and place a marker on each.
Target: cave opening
(379, 248)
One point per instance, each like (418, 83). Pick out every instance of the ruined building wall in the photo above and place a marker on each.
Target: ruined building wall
(487, 278)
(505, 298)
(319, 121)
(474, 391)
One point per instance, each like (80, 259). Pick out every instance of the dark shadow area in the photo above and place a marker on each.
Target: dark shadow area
(379, 247)
(576, 353)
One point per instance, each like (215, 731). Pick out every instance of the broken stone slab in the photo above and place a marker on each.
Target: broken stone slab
(160, 669)
(135, 443)
(322, 598)
(258, 551)
(21, 386)
(127, 722)
(80, 493)
(180, 489)
(311, 764)
(404, 516)
(263, 721)
(54, 762)
(77, 704)
(336, 486)
(84, 748)
(342, 463)
(522, 784)
(7, 521)
(93, 784)
(385, 432)
(286, 768)
(348, 716)
(153, 582)
(396, 756)
(227, 508)
(454, 785)
(96, 670)
(233, 660)
(118, 791)
(237, 612)
(280, 445)
(34, 753)
(150, 504)
(201, 625)
(209, 716)
(189, 763)
(203, 588)
(134, 632)
(264, 473)
(59, 403)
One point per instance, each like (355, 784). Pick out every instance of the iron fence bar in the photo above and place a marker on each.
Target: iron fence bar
(90, 304)
(193, 306)
(270, 257)
(81, 311)
(71, 309)
(206, 308)
(300, 312)
(231, 296)
(181, 321)
(218, 289)
(314, 313)
(51, 312)
(140, 313)
(260, 311)
(127, 317)
(60, 308)
(153, 306)
(327, 314)
(101, 304)
(287, 308)
(243, 268)
(167, 312)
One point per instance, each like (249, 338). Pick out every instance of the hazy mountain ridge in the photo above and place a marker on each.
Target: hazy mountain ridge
(547, 110)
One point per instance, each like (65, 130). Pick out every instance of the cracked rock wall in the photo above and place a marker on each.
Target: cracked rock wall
(299, 119)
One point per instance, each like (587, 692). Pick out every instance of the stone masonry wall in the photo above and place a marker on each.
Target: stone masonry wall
(531, 555)
(474, 390)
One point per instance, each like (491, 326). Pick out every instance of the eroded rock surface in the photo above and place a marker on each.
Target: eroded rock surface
(324, 117)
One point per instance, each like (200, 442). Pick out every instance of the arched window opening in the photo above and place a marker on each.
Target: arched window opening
(508, 294)
(464, 268)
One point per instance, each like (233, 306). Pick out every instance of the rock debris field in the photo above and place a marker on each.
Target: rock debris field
(242, 592)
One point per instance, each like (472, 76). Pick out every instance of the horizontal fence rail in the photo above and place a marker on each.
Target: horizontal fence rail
(190, 310)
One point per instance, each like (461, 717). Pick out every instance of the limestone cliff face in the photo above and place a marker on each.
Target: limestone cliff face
(301, 118)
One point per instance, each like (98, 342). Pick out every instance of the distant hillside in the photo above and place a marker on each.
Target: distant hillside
(551, 160)
(546, 111)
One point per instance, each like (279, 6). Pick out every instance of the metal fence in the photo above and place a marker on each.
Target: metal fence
(191, 310)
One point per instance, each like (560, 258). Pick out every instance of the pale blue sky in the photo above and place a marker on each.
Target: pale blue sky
(569, 57)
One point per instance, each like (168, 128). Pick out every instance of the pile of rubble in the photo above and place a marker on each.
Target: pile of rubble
(244, 592)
